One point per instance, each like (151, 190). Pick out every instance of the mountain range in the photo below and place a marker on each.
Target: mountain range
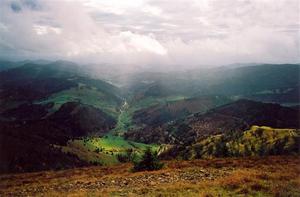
(56, 115)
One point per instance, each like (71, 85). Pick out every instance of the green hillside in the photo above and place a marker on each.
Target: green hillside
(104, 151)
(58, 82)
(84, 94)
(257, 141)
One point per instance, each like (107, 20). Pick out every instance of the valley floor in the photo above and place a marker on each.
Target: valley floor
(269, 176)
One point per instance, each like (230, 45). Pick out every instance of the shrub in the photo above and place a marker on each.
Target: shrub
(97, 150)
(149, 162)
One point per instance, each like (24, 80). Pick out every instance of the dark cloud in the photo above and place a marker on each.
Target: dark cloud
(15, 7)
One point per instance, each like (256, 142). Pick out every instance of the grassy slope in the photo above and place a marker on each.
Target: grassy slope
(256, 141)
(125, 123)
(259, 136)
(267, 176)
(125, 118)
(116, 144)
(109, 145)
(86, 95)
(104, 150)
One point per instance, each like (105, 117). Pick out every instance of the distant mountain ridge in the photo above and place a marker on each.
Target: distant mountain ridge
(267, 82)
(233, 117)
(173, 110)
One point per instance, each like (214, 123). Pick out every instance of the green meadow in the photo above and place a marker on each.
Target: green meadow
(104, 150)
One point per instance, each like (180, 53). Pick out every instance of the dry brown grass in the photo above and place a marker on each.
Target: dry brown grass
(270, 176)
(276, 177)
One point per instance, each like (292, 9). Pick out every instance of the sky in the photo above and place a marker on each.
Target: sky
(180, 33)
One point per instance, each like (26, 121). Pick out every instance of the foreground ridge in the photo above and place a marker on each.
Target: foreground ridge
(229, 176)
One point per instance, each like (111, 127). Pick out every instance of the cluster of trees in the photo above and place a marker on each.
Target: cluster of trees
(149, 161)
(98, 150)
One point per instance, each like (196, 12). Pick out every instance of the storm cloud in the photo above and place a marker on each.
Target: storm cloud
(151, 32)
